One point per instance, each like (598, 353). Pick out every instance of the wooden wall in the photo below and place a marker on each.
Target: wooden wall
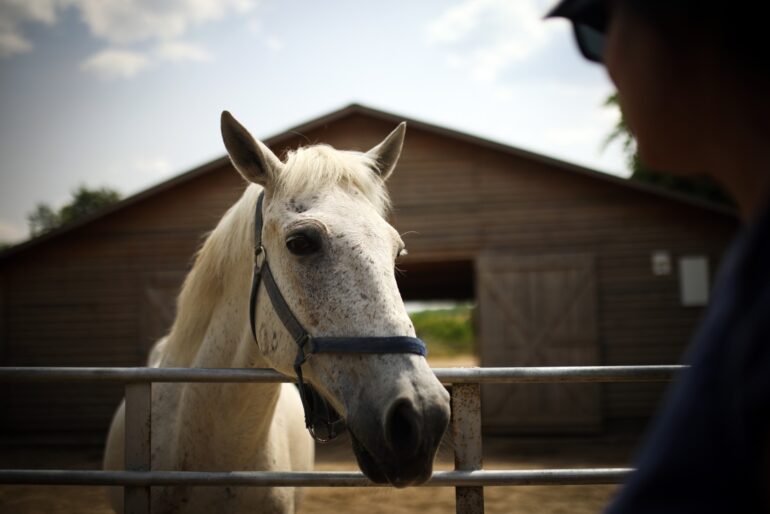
(458, 200)
(82, 299)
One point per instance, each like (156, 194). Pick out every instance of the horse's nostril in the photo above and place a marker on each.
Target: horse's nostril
(403, 429)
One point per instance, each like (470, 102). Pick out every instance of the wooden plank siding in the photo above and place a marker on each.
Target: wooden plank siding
(77, 299)
(456, 201)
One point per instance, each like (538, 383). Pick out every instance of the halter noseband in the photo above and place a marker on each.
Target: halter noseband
(319, 415)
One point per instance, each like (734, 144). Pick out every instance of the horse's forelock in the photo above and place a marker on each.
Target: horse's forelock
(318, 167)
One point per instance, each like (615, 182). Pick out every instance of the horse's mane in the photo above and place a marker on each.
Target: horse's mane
(224, 261)
(224, 255)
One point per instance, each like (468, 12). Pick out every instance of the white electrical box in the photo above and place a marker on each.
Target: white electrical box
(694, 281)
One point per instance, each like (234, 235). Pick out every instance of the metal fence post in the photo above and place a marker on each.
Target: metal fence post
(466, 433)
(138, 429)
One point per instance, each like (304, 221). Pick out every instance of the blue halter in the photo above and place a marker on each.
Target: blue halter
(323, 422)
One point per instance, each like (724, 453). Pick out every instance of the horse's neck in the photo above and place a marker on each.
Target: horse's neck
(211, 331)
(226, 426)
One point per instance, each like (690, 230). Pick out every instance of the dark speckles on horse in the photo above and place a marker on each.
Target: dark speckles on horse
(294, 206)
(273, 345)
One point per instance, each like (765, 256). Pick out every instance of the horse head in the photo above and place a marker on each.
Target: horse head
(332, 254)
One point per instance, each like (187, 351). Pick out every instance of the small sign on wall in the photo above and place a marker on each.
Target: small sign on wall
(694, 280)
(661, 263)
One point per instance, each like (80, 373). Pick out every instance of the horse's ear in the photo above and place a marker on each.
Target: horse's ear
(255, 161)
(386, 154)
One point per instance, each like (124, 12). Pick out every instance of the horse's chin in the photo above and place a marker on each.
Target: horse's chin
(366, 462)
(383, 473)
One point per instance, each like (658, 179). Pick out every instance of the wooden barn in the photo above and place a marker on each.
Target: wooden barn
(568, 266)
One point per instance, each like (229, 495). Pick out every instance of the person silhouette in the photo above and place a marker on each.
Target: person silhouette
(693, 78)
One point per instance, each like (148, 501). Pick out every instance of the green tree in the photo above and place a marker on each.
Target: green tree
(87, 201)
(701, 187)
(84, 201)
(42, 219)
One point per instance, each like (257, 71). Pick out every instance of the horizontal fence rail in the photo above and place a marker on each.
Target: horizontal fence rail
(468, 478)
(310, 479)
(248, 375)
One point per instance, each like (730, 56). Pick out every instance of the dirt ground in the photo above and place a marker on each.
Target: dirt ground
(500, 453)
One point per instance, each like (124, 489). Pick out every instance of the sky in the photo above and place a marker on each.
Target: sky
(128, 93)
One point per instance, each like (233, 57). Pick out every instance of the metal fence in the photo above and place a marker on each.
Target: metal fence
(468, 477)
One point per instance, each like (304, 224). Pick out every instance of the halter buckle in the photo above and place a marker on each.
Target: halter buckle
(259, 256)
(303, 356)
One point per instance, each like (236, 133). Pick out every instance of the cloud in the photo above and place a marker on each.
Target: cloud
(153, 167)
(122, 25)
(12, 43)
(552, 106)
(181, 51)
(123, 22)
(114, 63)
(487, 36)
(15, 13)
(271, 41)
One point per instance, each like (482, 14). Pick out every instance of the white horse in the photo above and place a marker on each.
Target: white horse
(332, 254)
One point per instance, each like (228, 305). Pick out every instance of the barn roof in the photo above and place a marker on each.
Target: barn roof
(358, 109)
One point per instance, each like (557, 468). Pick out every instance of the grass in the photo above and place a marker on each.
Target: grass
(447, 332)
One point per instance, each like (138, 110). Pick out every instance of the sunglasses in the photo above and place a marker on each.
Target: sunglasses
(590, 19)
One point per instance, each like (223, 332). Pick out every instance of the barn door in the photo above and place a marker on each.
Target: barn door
(158, 308)
(538, 311)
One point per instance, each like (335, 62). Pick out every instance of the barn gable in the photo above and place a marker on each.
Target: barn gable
(100, 291)
(354, 116)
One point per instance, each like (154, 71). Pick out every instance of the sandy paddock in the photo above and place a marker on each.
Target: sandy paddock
(499, 454)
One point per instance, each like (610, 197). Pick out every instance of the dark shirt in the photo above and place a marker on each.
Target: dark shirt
(707, 450)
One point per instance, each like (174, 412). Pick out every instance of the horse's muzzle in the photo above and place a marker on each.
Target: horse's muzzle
(401, 447)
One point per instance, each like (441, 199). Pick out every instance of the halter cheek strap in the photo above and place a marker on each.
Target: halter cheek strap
(323, 422)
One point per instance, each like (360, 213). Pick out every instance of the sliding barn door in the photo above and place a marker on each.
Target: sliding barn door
(538, 310)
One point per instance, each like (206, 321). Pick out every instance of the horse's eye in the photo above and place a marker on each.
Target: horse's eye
(302, 244)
